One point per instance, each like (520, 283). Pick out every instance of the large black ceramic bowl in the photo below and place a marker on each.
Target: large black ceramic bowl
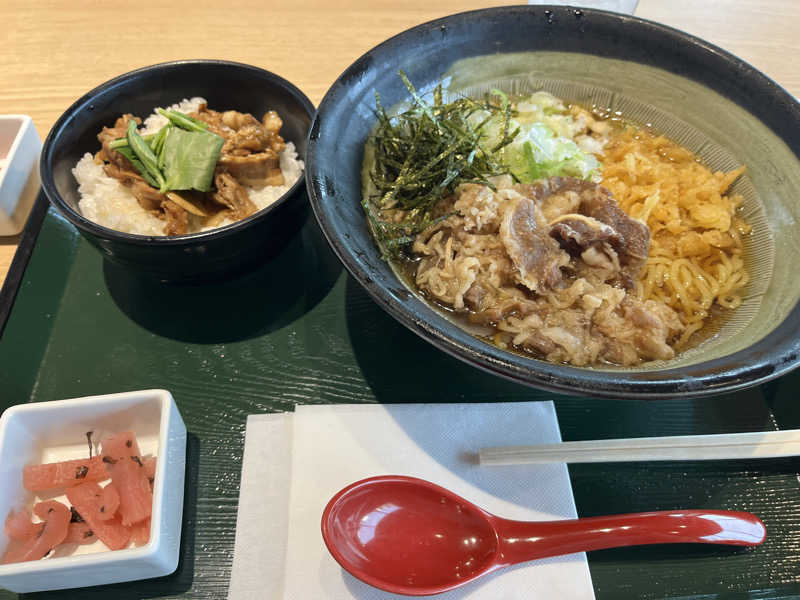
(705, 98)
(226, 85)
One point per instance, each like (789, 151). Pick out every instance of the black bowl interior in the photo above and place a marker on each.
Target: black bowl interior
(425, 53)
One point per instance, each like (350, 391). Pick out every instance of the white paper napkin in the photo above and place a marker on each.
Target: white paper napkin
(259, 552)
(334, 445)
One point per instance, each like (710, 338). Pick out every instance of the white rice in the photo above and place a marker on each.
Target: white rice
(107, 202)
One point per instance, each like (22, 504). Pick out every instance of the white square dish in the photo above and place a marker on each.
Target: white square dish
(20, 147)
(44, 432)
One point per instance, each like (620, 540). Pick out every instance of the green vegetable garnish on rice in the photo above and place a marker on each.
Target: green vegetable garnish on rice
(182, 155)
(182, 120)
(189, 159)
(137, 164)
(147, 160)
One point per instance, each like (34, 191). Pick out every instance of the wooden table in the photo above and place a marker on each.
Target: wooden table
(55, 50)
(79, 328)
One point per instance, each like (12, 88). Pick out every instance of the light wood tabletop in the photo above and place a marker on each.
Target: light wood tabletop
(54, 50)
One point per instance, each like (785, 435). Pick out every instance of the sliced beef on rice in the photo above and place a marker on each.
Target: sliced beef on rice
(177, 218)
(232, 195)
(251, 149)
(108, 135)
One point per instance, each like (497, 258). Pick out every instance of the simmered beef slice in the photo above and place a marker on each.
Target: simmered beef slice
(577, 232)
(535, 254)
(591, 240)
(242, 132)
(584, 217)
(148, 197)
(177, 218)
(654, 325)
(555, 196)
(254, 170)
(252, 147)
(212, 119)
(633, 241)
(232, 195)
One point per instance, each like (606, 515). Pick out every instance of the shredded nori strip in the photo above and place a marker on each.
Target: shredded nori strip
(129, 443)
(89, 441)
(421, 155)
(137, 460)
(89, 534)
(76, 517)
(109, 460)
(80, 472)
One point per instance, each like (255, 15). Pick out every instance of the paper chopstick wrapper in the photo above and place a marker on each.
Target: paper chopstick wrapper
(748, 445)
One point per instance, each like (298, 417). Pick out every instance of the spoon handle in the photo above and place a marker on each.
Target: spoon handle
(521, 541)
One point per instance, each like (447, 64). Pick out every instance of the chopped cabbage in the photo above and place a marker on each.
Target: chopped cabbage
(544, 146)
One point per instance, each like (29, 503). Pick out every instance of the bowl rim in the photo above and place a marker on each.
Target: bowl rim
(95, 229)
(773, 355)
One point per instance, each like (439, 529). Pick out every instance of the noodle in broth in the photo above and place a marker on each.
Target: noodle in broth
(696, 256)
(602, 243)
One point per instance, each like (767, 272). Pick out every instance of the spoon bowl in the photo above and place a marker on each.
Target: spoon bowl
(409, 536)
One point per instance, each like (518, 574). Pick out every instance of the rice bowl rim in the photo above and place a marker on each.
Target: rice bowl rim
(64, 121)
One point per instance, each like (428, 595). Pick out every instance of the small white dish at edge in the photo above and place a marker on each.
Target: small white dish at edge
(20, 146)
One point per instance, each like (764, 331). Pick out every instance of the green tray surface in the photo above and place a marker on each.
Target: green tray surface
(299, 330)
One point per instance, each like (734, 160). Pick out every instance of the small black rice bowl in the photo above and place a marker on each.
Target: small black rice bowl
(227, 86)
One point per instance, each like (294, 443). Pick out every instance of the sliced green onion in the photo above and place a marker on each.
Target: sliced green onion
(162, 154)
(145, 155)
(183, 121)
(123, 141)
(158, 141)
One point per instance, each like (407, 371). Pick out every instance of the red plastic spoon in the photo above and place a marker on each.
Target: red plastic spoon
(409, 536)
